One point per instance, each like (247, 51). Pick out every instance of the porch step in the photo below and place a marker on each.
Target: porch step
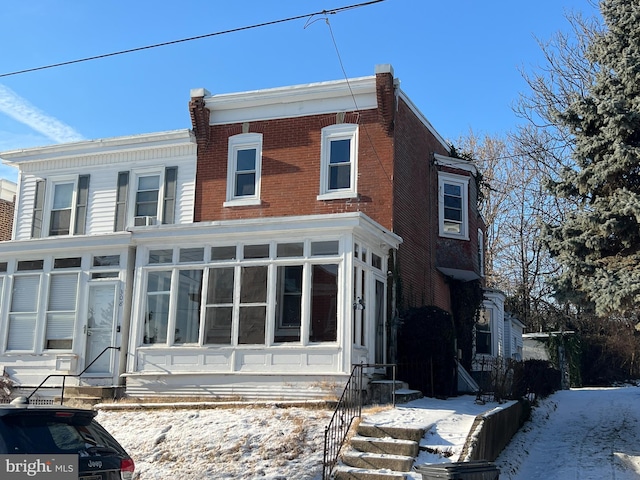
(406, 395)
(349, 473)
(79, 401)
(376, 461)
(381, 431)
(381, 392)
(385, 446)
(90, 395)
(380, 453)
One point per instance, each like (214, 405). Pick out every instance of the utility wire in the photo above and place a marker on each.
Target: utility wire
(353, 97)
(173, 42)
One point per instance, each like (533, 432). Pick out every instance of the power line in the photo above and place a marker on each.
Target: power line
(173, 42)
(355, 103)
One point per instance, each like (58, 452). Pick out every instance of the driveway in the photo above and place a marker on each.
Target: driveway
(578, 434)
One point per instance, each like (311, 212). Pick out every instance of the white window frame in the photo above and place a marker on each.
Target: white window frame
(491, 332)
(60, 323)
(135, 175)
(243, 141)
(462, 182)
(48, 210)
(343, 131)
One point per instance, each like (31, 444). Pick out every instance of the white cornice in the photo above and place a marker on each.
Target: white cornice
(99, 147)
(293, 101)
(243, 229)
(457, 163)
(77, 243)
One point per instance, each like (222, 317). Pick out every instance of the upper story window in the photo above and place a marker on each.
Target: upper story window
(453, 205)
(243, 169)
(339, 161)
(60, 208)
(145, 197)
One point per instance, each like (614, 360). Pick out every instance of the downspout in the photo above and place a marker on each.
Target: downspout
(126, 316)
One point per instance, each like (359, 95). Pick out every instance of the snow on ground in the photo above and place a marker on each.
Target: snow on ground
(577, 434)
(589, 433)
(266, 442)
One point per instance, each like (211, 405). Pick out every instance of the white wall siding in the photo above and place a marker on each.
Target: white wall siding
(103, 169)
(24, 207)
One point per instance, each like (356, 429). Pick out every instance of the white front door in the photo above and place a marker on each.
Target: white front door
(101, 320)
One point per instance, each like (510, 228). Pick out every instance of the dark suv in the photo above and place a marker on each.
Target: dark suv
(54, 429)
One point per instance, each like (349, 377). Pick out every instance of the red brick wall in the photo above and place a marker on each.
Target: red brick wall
(463, 254)
(6, 219)
(416, 211)
(290, 179)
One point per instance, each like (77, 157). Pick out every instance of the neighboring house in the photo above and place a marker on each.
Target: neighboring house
(67, 274)
(267, 266)
(7, 208)
(513, 341)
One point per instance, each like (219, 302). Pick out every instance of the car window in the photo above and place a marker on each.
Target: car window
(42, 434)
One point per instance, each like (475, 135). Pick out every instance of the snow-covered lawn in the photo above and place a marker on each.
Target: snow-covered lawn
(584, 434)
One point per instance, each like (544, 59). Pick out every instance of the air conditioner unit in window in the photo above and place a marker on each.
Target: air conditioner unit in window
(144, 221)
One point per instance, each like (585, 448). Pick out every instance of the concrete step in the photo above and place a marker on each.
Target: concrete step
(349, 473)
(397, 463)
(405, 395)
(381, 431)
(388, 446)
(105, 393)
(79, 400)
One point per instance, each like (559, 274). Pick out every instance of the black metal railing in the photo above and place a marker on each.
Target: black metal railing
(65, 375)
(349, 407)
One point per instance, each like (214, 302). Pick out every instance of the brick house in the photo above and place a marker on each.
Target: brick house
(7, 207)
(260, 255)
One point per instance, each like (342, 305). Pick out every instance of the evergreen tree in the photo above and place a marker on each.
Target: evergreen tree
(598, 243)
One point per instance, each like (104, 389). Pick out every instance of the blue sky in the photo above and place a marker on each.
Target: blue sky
(457, 60)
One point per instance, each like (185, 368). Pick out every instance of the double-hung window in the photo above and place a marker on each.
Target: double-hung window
(243, 169)
(145, 197)
(339, 161)
(60, 208)
(453, 205)
(484, 339)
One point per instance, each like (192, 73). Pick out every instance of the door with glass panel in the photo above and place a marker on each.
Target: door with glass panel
(101, 319)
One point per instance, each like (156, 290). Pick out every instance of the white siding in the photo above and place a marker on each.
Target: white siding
(24, 207)
(103, 169)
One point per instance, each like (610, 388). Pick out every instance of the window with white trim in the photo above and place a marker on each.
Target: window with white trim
(145, 197)
(484, 340)
(23, 312)
(244, 164)
(453, 205)
(61, 311)
(60, 208)
(338, 161)
(223, 298)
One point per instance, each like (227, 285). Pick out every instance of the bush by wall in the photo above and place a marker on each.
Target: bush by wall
(426, 351)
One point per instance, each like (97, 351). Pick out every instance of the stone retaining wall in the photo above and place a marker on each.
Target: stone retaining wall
(492, 431)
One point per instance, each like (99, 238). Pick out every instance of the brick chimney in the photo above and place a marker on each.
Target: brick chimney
(386, 95)
(200, 116)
